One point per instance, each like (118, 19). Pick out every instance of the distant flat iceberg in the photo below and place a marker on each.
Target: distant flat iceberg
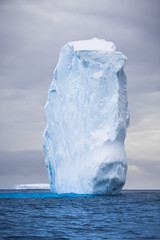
(31, 186)
(87, 114)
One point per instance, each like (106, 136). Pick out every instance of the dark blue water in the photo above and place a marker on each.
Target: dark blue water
(43, 215)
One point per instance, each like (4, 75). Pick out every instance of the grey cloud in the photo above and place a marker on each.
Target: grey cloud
(143, 174)
(32, 33)
(11, 96)
(22, 165)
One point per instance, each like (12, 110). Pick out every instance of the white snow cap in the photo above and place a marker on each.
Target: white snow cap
(93, 44)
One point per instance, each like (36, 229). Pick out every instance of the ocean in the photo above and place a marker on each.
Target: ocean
(39, 214)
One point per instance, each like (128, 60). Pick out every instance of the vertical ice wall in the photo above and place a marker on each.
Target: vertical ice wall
(87, 114)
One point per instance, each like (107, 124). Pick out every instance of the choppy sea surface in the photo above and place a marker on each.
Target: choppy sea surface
(35, 214)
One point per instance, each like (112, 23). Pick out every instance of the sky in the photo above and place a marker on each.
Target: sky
(31, 36)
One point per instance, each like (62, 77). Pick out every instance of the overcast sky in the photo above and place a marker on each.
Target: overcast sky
(32, 33)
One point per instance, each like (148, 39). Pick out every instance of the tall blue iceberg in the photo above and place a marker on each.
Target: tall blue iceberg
(87, 114)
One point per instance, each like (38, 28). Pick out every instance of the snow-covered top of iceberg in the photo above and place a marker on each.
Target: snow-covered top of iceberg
(94, 44)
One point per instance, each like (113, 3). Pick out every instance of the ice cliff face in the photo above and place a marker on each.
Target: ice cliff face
(87, 113)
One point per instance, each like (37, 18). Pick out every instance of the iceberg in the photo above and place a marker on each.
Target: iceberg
(31, 186)
(87, 117)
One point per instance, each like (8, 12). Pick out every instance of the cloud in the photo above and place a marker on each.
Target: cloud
(143, 174)
(32, 33)
(22, 167)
